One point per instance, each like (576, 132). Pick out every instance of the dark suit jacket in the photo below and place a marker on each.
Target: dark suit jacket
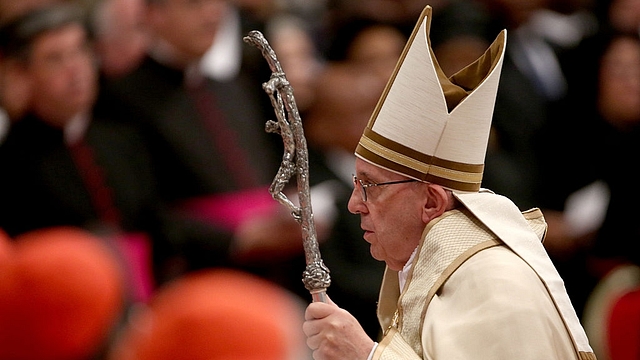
(511, 165)
(41, 187)
(186, 160)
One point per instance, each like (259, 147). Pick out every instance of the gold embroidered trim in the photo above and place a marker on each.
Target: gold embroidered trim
(394, 323)
(455, 265)
(587, 355)
(419, 161)
(445, 177)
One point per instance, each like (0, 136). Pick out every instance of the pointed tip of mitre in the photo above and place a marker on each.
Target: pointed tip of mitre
(430, 127)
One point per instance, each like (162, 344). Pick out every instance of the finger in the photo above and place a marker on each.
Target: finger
(313, 342)
(311, 327)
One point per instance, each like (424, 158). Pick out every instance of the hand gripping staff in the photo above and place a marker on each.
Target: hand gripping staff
(295, 161)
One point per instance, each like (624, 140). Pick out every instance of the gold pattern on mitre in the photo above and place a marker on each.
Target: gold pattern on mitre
(430, 127)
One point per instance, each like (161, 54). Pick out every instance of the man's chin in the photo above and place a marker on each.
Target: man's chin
(374, 255)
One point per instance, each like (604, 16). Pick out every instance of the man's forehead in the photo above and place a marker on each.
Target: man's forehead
(51, 40)
(366, 169)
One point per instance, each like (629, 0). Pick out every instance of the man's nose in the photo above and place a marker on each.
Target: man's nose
(356, 205)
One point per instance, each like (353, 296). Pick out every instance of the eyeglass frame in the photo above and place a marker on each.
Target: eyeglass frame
(364, 186)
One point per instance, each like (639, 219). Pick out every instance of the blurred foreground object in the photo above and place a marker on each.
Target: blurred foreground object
(60, 296)
(215, 315)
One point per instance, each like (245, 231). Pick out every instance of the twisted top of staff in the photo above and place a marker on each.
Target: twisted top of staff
(295, 161)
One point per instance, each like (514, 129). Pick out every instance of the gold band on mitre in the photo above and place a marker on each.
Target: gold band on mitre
(401, 159)
(430, 127)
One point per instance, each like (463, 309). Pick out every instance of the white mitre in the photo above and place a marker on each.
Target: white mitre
(430, 127)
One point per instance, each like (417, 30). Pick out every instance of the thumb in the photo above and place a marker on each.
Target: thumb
(319, 310)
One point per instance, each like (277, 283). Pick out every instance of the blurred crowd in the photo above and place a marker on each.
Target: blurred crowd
(135, 216)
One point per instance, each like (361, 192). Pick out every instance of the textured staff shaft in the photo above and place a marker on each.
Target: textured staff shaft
(295, 161)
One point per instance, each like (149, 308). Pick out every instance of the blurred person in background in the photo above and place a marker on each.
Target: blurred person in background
(9, 9)
(163, 96)
(532, 81)
(51, 177)
(14, 91)
(462, 25)
(574, 192)
(197, 102)
(66, 165)
(595, 231)
(619, 15)
(120, 36)
(293, 41)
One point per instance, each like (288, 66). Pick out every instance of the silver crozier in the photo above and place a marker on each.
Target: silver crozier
(295, 161)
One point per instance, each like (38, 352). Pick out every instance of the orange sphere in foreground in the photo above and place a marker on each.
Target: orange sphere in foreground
(62, 296)
(216, 315)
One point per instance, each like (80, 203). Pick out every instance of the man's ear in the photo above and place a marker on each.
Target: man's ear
(437, 202)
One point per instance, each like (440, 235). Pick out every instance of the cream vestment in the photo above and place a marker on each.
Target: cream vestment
(471, 295)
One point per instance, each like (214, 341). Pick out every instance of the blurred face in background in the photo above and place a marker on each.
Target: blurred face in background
(377, 49)
(619, 82)
(121, 38)
(10, 9)
(188, 26)
(624, 15)
(347, 91)
(517, 12)
(62, 73)
(399, 11)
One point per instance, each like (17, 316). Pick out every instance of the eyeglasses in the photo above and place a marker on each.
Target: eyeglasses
(363, 187)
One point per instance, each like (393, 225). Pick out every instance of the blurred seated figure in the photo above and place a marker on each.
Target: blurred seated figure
(49, 49)
(14, 91)
(624, 327)
(590, 146)
(292, 40)
(197, 107)
(215, 315)
(619, 15)
(461, 21)
(10, 9)
(120, 36)
(61, 295)
(612, 314)
(63, 164)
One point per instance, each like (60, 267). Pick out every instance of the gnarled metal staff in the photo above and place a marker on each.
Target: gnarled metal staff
(295, 161)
